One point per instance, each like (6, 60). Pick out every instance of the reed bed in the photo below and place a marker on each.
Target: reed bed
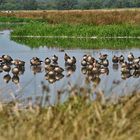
(78, 118)
(92, 17)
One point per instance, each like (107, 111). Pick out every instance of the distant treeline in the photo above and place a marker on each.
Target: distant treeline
(66, 4)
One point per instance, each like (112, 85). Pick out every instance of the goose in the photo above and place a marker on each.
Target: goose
(90, 59)
(105, 63)
(136, 67)
(136, 60)
(18, 63)
(71, 61)
(115, 59)
(130, 57)
(58, 69)
(95, 70)
(97, 64)
(66, 57)
(103, 56)
(47, 61)
(51, 73)
(7, 58)
(54, 58)
(59, 76)
(85, 57)
(35, 61)
(84, 63)
(6, 68)
(49, 67)
(15, 71)
(89, 67)
(121, 59)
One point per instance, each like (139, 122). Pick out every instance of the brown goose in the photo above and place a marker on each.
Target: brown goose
(18, 63)
(105, 63)
(7, 59)
(121, 59)
(115, 59)
(130, 57)
(54, 58)
(15, 71)
(6, 68)
(47, 61)
(136, 60)
(71, 61)
(58, 69)
(103, 56)
(66, 57)
(35, 61)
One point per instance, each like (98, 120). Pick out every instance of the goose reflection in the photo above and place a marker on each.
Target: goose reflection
(53, 78)
(84, 70)
(6, 78)
(36, 69)
(1, 70)
(115, 67)
(15, 79)
(125, 76)
(136, 74)
(70, 70)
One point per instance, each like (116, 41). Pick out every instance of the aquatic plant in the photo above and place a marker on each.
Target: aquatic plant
(43, 29)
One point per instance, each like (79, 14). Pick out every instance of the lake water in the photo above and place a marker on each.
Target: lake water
(30, 87)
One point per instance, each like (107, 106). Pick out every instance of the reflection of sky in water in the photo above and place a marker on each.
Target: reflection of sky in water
(30, 84)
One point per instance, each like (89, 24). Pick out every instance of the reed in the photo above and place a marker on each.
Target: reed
(78, 118)
(92, 17)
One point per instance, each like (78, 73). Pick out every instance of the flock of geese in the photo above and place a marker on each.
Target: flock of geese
(91, 67)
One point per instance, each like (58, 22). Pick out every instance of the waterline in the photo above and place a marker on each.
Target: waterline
(81, 37)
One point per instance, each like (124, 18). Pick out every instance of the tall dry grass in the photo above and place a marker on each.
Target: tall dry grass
(96, 17)
(77, 119)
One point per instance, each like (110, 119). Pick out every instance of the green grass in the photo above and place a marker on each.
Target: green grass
(43, 29)
(79, 43)
(4, 19)
(75, 119)
(14, 19)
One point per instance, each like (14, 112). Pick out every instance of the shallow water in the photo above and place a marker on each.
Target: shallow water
(30, 88)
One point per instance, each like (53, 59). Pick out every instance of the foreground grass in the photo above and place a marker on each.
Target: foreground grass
(76, 119)
(78, 43)
(43, 29)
